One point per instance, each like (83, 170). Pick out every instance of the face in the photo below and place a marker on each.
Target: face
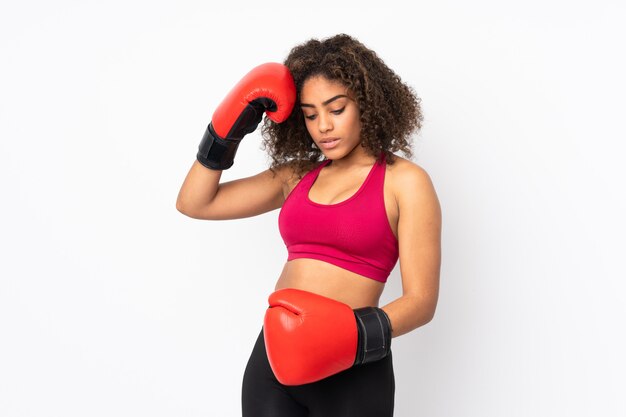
(331, 116)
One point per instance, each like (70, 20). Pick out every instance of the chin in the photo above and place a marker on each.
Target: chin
(333, 154)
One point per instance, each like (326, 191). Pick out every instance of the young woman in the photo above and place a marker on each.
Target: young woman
(350, 208)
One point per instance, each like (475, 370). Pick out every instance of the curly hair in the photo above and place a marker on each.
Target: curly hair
(390, 110)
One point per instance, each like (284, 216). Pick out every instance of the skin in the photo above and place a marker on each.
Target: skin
(411, 203)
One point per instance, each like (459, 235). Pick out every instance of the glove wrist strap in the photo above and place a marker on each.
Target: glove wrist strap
(215, 152)
(374, 328)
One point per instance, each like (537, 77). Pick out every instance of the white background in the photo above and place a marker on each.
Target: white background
(112, 303)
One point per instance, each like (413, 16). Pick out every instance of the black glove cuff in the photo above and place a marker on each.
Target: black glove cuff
(374, 328)
(216, 153)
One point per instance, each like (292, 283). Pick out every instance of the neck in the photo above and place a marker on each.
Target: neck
(357, 157)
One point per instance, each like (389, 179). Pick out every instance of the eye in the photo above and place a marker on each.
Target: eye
(338, 111)
(310, 117)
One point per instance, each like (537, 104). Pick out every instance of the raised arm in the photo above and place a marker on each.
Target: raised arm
(203, 197)
(269, 89)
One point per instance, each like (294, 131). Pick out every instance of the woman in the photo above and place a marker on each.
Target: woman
(350, 208)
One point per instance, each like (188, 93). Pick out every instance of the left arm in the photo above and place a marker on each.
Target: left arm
(419, 237)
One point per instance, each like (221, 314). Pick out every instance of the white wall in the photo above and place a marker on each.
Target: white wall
(113, 303)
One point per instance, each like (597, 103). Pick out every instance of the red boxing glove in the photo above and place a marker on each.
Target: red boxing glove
(309, 337)
(268, 88)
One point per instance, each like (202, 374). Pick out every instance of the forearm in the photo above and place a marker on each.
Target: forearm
(407, 313)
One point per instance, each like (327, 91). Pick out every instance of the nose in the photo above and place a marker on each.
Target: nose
(324, 123)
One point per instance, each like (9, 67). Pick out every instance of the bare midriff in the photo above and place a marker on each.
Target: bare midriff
(331, 281)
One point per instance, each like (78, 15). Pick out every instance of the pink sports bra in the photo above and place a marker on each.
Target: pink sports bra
(353, 234)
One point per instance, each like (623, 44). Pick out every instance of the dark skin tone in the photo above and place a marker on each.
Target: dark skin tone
(411, 204)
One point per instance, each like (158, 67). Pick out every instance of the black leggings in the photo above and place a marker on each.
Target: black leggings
(361, 391)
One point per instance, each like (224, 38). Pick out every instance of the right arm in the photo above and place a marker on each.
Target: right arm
(269, 89)
(203, 197)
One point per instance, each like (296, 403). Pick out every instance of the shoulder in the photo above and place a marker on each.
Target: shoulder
(406, 175)
(290, 173)
(410, 183)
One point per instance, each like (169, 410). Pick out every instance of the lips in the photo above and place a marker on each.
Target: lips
(329, 143)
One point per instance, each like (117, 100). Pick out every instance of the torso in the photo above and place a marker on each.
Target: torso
(326, 279)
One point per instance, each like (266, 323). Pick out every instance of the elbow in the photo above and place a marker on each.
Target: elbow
(182, 207)
(423, 318)
(430, 314)
(427, 312)
(192, 211)
(429, 317)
